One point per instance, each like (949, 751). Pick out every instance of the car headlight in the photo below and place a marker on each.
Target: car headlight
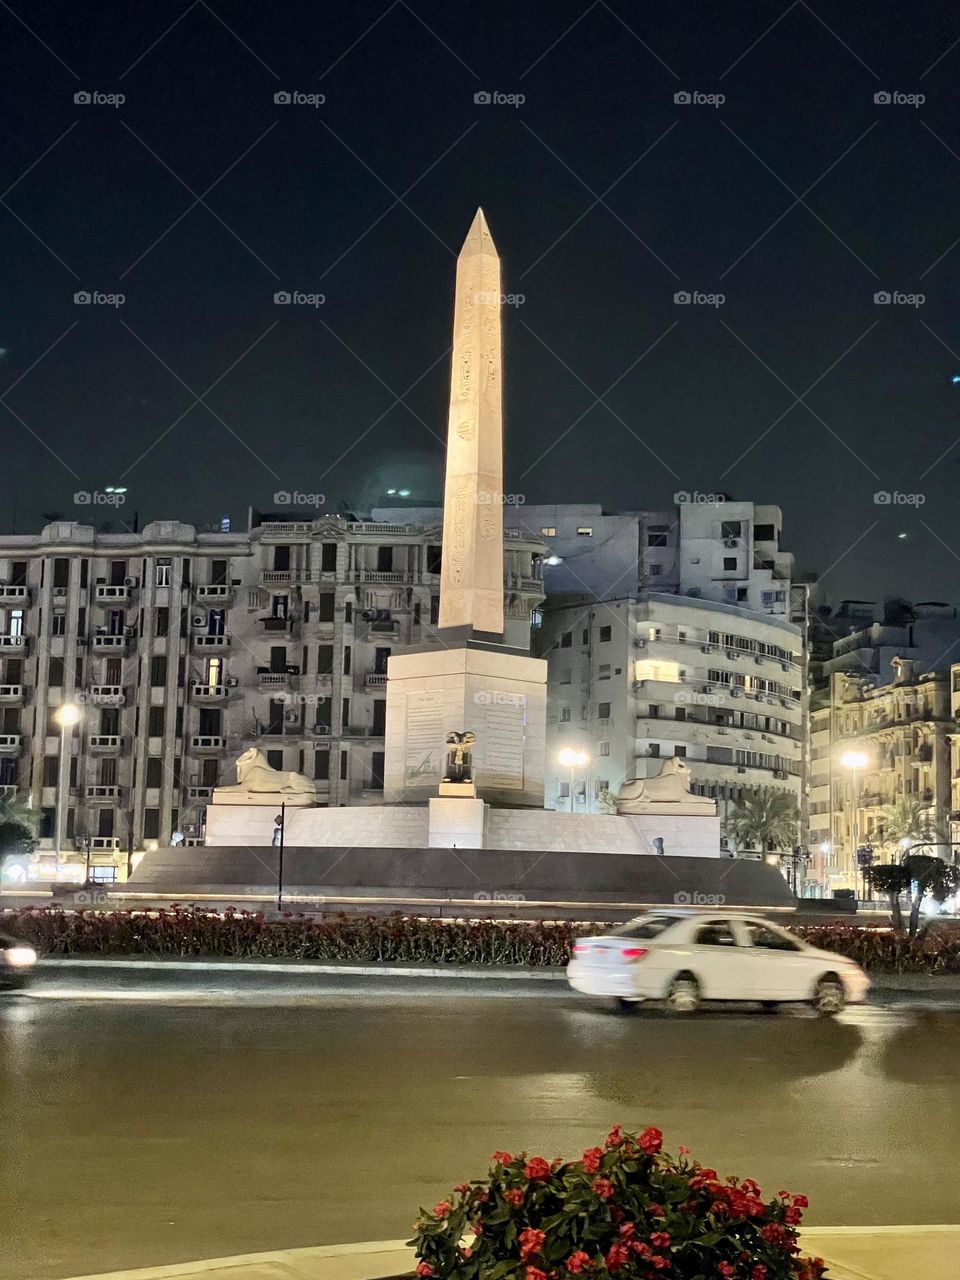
(20, 957)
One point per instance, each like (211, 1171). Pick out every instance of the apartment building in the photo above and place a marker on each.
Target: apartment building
(183, 648)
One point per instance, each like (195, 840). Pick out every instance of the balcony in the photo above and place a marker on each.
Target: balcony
(101, 642)
(208, 742)
(106, 743)
(14, 595)
(296, 529)
(106, 695)
(112, 843)
(9, 641)
(381, 575)
(11, 695)
(7, 790)
(10, 743)
(106, 594)
(283, 577)
(200, 795)
(275, 624)
(208, 642)
(103, 794)
(201, 692)
(214, 593)
(375, 680)
(270, 680)
(517, 583)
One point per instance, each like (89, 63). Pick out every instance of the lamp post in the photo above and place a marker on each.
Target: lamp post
(854, 761)
(66, 716)
(572, 758)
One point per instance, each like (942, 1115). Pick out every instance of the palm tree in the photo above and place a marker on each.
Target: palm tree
(18, 822)
(913, 821)
(765, 819)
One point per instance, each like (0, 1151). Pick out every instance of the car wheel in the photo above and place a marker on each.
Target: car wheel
(769, 1006)
(623, 1005)
(829, 996)
(683, 994)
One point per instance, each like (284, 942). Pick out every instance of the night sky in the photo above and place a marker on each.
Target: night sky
(798, 199)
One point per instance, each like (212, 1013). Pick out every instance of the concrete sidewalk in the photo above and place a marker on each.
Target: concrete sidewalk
(852, 1253)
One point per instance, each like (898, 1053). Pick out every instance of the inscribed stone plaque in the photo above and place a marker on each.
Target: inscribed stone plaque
(424, 747)
(501, 740)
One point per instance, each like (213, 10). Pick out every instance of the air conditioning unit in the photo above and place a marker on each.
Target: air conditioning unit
(321, 730)
(733, 653)
(730, 542)
(59, 591)
(761, 698)
(784, 666)
(641, 644)
(199, 620)
(291, 717)
(368, 615)
(232, 682)
(129, 631)
(708, 648)
(779, 773)
(735, 693)
(758, 660)
(131, 582)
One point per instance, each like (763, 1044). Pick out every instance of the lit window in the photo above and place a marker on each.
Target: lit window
(656, 669)
(548, 531)
(584, 531)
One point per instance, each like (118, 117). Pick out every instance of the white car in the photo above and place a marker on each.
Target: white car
(687, 957)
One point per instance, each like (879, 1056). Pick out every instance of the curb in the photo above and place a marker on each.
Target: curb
(385, 970)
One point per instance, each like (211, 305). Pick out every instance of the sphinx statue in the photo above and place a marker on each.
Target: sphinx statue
(668, 792)
(256, 778)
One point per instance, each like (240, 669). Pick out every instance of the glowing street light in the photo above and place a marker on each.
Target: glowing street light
(854, 761)
(572, 758)
(66, 716)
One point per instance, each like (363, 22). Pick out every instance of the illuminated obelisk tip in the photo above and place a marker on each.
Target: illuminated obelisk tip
(471, 577)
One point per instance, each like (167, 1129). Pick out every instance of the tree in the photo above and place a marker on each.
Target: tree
(765, 819)
(914, 821)
(18, 823)
(920, 876)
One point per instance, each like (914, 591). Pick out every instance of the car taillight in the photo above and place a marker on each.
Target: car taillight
(580, 948)
(634, 953)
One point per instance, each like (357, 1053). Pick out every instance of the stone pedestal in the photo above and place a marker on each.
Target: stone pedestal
(498, 695)
(456, 823)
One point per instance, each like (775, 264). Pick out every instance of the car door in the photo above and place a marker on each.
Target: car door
(718, 961)
(778, 966)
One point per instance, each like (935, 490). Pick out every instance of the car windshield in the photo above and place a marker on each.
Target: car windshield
(645, 927)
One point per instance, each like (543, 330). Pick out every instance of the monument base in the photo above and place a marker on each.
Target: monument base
(456, 822)
(500, 696)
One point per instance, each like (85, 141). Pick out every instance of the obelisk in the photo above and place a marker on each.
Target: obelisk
(471, 575)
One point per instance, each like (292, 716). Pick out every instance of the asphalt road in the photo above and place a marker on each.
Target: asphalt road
(163, 1125)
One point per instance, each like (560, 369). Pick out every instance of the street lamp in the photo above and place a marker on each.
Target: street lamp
(854, 761)
(572, 758)
(66, 716)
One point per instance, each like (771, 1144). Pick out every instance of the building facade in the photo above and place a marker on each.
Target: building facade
(182, 649)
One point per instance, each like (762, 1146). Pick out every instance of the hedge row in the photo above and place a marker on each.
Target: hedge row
(400, 938)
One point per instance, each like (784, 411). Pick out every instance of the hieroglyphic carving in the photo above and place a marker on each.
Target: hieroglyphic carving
(471, 579)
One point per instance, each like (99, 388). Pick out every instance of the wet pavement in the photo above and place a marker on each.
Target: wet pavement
(143, 1131)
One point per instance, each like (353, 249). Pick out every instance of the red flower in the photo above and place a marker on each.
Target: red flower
(641, 1249)
(442, 1209)
(725, 1269)
(534, 1273)
(537, 1169)
(656, 1211)
(801, 1202)
(591, 1159)
(466, 1251)
(617, 1255)
(793, 1216)
(424, 1269)
(659, 1261)
(577, 1261)
(660, 1240)
(514, 1196)
(614, 1137)
(759, 1272)
(603, 1188)
(531, 1241)
(684, 1151)
(627, 1229)
(650, 1141)
(501, 1157)
(461, 1187)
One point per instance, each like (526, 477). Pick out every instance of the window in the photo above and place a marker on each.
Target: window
(163, 571)
(563, 790)
(151, 824)
(716, 934)
(344, 762)
(59, 625)
(771, 939)
(548, 531)
(384, 559)
(585, 638)
(764, 533)
(325, 606)
(603, 672)
(321, 765)
(324, 659)
(584, 531)
(605, 634)
(345, 714)
(656, 669)
(346, 659)
(600, 786)
(603, 710)
(434, 559)
(564, 715)
(162, 622)
(434, 610)
(653, 750)
(154, 771)
(646, 927)
(376, 771)
(155, 722)
(51, 771)
(603, 749)
(657, 535)
(380, 720)
(655, 570)
(328, 557)
(566, 640)
(679, 752)
(730, 528)
(55, 670)
(729, 562)
(61, 572)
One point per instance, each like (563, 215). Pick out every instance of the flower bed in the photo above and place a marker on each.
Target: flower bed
(626, 1209)
(182, 931)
